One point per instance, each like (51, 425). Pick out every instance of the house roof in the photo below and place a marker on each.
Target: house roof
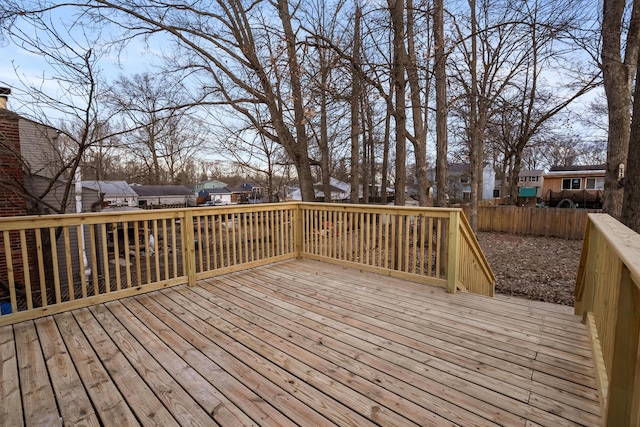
(534, 172)
(244, 187)
(578, 168)
(458, 167)
(8, 114)
(161, 190)
(111, 188)
(214, 183)
(215, 191)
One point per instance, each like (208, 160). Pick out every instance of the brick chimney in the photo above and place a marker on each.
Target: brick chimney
(4, 95)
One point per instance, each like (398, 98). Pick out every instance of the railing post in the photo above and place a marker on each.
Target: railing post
(188, 248)
(298, 230)
(453, 246)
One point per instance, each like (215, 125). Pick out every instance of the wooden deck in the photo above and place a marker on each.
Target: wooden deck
(301, 343)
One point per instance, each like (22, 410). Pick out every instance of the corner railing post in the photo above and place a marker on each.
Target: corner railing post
(453, 245)
(298, 230)
(188, 248)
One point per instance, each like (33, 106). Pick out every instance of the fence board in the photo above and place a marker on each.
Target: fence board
(551, 222)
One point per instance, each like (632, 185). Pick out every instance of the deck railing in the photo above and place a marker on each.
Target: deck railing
(54, 263)
(607, 295)
(431, 245)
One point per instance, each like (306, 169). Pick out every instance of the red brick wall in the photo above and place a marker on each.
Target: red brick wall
(11, 202)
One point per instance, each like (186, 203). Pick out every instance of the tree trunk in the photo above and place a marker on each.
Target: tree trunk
(618, 76)
(366, 147)
(441, 104)
(355, 108)
(324, 129)
(419, 126)
(400, 114)
(631, 203)
(475, 136)
(385, 157)
(300, 145)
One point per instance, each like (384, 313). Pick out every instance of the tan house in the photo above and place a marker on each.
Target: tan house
(530, 183)
(579, 186)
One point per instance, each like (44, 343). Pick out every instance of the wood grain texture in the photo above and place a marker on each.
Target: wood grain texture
(304, 343)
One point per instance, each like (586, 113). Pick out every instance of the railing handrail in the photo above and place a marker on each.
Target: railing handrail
(91, 252)
(465, 227)
(607, 295)
(624, 241)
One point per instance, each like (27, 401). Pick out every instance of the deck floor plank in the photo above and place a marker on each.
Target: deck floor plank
(107, 400)
(38, 399)
(263, 354)
(201, 390)
(277, 406)
(353, 374)
(73, 401)
(451, 331)
(505, 322)
(435, 390)
(207, 360)
(354, 319)
(11, 409)
(143, 402)
(175, 399)
(301, 343)
(509, 352)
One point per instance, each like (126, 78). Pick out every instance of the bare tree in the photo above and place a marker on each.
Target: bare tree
(220, 46)
(356, 93)
(516, 43)
(441, 103)
(620, 46)
(160, 133)
(68, 119)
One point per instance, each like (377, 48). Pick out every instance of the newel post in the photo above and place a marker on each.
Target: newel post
(188, 247)
(453, 248)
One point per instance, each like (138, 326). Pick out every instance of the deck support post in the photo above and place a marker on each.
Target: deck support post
(453, 246)
(189, 248)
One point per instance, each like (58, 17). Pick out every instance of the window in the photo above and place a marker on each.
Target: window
(466, 195)
(496, 193)
(523, 179)
(464, 179)
(571, 183)
(594, 183)
(534, 178)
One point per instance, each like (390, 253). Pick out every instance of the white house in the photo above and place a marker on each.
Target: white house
(117, 193)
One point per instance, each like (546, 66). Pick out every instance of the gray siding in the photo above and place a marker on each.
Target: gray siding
(38, 149)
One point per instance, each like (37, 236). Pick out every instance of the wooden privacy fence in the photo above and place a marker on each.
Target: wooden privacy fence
(607, 295)
(552, 222)
(49, 264)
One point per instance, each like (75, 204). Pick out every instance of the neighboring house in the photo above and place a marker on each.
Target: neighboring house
(459, 182)
(582, 186)
(163, 195)
(208, 185)
(530, 183)
(247, 193)
(117, 193)
(212, 194)
(340, 191)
